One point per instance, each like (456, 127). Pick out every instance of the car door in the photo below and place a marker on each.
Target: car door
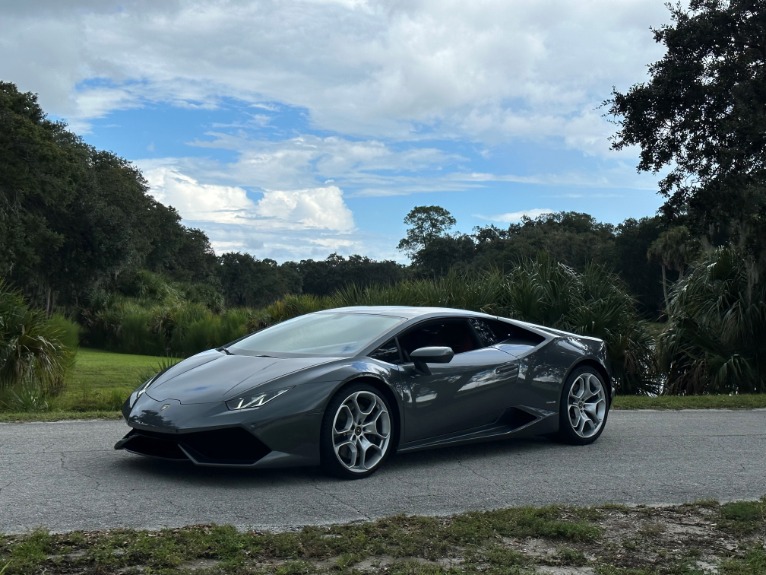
(472, 390)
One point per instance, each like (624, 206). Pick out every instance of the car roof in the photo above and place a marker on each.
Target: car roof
(407, 312)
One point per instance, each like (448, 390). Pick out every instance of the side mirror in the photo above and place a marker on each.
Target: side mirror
(425, 355)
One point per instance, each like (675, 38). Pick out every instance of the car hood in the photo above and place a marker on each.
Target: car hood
(212, 376)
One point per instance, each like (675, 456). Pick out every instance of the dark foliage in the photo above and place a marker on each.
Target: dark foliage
(702, 116)
(324, 277)
(73, 219)
(714, 340)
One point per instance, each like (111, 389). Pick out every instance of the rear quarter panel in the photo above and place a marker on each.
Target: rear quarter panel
(544, 369)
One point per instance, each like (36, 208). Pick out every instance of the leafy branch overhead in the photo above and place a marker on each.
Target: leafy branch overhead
(702, 116)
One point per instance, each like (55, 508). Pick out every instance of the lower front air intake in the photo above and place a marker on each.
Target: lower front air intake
(229, 446)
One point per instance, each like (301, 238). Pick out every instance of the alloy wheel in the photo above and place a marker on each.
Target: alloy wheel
(361, 431)
(586, 404)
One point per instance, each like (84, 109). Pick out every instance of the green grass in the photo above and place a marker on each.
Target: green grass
(100, 381)
(609, 539)
(747, 401)
(96, 386)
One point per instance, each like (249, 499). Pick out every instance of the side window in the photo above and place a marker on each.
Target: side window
(388, 352)
(495, 331)
(484, 331)
(456, 334)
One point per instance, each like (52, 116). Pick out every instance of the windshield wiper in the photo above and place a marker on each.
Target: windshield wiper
(224, 350)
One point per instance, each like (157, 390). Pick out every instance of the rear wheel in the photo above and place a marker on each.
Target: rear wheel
(584, 407)
(357, 432)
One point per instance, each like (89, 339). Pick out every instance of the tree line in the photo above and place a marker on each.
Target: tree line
(632, 249)
(77, 223)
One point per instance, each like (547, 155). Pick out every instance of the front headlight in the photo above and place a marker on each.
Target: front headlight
(254, 398)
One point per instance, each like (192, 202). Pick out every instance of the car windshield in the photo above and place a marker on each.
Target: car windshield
(327, 333)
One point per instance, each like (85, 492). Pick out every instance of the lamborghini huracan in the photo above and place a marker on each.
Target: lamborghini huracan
(346, 388)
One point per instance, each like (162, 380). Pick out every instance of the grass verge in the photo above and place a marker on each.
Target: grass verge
(100, 380)
(705, 537)
(747, 401)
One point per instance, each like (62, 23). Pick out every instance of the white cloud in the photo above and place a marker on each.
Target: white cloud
(514, 217)
(321, 208)
(623, 177)
(282, 224)
(197, 201)
(97, 103)
(369, 167)
(490, 70)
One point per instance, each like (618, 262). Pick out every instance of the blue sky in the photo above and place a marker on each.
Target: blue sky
(291, 129)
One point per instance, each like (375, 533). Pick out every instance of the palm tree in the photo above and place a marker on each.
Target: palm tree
(31, 351)
(674, 249)
(714, 341)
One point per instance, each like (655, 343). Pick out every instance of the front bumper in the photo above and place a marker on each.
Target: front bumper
(209, 434)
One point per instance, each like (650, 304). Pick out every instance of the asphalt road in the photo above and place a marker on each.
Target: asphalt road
(66, 476)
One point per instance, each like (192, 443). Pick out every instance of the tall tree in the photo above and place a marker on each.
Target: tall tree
(572, 238)
(41, 167)
(324, 277)
(249, 282)
(444, 253)
(425, 223)
(702, 116)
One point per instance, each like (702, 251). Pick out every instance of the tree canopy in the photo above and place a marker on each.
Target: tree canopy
(702, 117)
(425, 224)
(73, 218)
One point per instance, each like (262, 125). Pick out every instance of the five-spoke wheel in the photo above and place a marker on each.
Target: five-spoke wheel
(357, 432)
(584, 407)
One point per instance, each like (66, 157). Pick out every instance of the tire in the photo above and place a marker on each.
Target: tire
(584, 407)
(357, 433)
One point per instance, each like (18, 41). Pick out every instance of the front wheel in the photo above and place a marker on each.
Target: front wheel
(583, 408)
(357, 432)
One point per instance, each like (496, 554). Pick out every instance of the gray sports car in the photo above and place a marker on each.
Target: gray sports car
(345, 388)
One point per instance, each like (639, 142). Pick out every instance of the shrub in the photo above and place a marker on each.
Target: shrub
(234, 324)
(192, 335)
(179, 330)
(69, 331)
(33, 355)
(479, 292)
(140, 330)
(148, 286)
(714, 339)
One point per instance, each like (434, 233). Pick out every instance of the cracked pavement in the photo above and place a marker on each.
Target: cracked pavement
(66, 476)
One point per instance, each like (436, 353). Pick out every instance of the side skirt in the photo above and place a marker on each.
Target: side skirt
(515, 422)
